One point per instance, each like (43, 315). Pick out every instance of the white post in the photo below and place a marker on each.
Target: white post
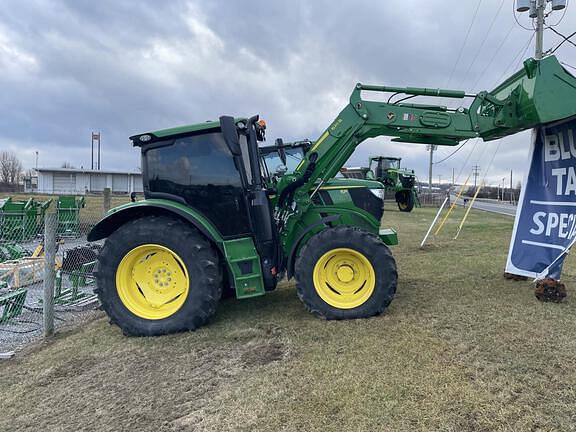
(434, 222)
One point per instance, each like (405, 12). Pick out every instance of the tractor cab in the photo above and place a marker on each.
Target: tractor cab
(214, 168)
(282, 158)
(382, 167)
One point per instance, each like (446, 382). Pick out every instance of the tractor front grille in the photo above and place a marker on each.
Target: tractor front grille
(367, 201)
(407, 181)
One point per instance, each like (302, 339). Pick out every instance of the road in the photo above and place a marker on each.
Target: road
(492, 206)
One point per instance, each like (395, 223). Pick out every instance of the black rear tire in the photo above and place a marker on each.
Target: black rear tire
(198, 256)
(348, 237)
(405, 200)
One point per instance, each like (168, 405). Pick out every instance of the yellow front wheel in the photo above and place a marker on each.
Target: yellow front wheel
(345, 273)
(344, 278)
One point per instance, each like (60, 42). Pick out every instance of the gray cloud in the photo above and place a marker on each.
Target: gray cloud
(122, 67)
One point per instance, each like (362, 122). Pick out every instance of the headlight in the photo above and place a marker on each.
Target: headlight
(379, 193)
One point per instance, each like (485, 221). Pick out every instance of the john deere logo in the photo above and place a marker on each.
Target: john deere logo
(391, 116)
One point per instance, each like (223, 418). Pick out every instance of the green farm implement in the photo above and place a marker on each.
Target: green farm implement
(214, 217)
(68, 211)
(12, 304)
(21, 220)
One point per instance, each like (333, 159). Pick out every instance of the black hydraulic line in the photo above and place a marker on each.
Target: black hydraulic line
(453, 153)
(402, 99)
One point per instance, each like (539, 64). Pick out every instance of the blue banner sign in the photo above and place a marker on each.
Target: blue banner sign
(545, 224)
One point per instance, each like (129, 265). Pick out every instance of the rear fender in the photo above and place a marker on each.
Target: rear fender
(118, 216)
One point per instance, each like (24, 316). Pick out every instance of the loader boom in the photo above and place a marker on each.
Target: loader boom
(542, 92)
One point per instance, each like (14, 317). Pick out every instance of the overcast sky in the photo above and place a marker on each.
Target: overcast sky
(68, 68)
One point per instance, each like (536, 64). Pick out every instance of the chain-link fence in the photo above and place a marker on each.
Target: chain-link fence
(46, 260)
(434, 199)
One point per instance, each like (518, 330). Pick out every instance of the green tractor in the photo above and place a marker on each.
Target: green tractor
(212, 218)
(400, 181)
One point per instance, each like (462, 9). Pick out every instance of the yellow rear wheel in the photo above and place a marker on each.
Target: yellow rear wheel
(152, 281)
(344, 278)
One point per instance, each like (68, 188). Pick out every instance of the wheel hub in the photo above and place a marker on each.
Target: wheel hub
(162, 278)
(152, 281)
(345, 273)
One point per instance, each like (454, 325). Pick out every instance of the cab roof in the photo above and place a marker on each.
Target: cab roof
(145, 137)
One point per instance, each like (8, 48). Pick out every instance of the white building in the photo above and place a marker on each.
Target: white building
(80, 181)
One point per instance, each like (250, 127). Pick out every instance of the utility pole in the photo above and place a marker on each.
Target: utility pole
(475, 173)
(431, 148)
(540, 8)
(452, 176)
(439, 179)
(511, 190)
(537, 9)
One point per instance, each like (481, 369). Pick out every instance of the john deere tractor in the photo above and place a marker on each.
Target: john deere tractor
(400, 181)
(210, 221)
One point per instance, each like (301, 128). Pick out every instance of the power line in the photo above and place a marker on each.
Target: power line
(566, 39)
(516, 18)
(452, 154)
(464, 43)
(492, 160)
(562, 17)
(467, 158)
(496, 52)
(520, 54)
(486, 35)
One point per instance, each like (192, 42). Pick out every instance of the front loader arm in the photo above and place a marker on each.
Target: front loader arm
(542, 92)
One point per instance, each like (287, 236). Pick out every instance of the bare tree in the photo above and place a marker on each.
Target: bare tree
(10, 168)
(67, 165)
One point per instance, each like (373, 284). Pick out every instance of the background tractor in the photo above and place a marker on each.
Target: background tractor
(214, 218)
(399, 181)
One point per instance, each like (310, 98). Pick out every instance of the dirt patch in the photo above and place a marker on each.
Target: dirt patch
(74, 367)
(550, 290)
(263, 353)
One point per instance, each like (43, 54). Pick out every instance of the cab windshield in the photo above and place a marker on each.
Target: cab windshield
(293, 158)
(273, 160)
(384, 164)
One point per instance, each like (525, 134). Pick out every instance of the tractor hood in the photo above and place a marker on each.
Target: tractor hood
(349, 183)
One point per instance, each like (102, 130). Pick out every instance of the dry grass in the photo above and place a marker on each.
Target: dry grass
(460, 349)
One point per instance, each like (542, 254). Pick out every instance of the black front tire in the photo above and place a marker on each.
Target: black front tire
(196, 253)
(405, 200)
(367, 244)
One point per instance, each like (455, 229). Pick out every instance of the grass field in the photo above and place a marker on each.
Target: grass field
(459, 349)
